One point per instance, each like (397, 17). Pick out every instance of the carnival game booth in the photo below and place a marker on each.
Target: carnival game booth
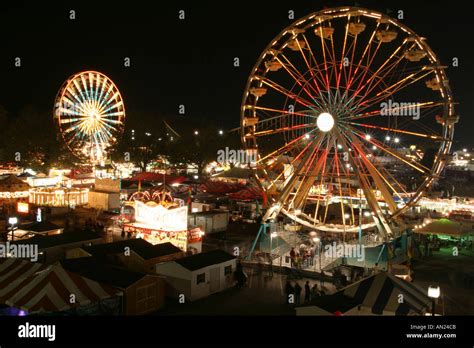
(164, 223)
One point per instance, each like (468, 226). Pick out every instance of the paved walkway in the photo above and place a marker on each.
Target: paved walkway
(262, 295)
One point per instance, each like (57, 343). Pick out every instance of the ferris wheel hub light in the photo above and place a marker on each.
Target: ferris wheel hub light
(325, 122)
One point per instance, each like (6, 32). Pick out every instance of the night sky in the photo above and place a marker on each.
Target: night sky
(189, 62)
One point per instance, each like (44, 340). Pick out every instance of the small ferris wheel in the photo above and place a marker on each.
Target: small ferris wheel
(90, 114)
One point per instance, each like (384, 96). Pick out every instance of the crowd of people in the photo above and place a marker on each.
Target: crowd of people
(303, 257)
(294, 291)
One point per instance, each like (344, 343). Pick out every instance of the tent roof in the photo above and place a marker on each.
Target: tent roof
(13, 180)
(379, 292)
(39, 288)
(447, 227)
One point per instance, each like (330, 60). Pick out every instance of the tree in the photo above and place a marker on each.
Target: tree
(199, 146)
(144, 141)
(31, 140)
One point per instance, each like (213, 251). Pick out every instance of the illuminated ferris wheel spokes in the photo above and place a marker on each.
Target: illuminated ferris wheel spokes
(90, 113)
(321, 109)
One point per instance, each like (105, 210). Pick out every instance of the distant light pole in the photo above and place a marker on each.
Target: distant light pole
(433, 292)
(13, 221)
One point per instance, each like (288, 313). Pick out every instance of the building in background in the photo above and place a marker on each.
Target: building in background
(41, 228)
(59, 197)
(198, 276)
(105, 195)
(12, 191)
(142, 293)
(53, 248)
(134, 254)
(210, 221)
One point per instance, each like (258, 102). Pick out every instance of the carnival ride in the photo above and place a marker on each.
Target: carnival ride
(329, 100)
(90, 114)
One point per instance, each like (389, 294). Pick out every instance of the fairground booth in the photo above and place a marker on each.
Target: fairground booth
(163, 219)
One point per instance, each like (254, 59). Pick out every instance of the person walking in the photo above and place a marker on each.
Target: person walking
(298, 293)
(307, 292)
(292, 256)
(240, 275)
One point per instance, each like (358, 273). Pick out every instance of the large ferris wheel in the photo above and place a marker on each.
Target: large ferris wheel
(332, 106)
(90, 115)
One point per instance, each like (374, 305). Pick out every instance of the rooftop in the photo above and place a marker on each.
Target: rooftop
(44, 242)
(91, 268)
(140, 246)
(202, 260)
(42, 226)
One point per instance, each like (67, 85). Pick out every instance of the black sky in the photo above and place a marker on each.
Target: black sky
(189, 62)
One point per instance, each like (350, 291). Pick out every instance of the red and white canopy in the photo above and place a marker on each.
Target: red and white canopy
(40, 288)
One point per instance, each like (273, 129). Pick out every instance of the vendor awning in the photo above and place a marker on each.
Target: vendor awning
(38, 288)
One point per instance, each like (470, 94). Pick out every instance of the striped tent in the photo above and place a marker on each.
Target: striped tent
(381, 293)
(39, 288)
